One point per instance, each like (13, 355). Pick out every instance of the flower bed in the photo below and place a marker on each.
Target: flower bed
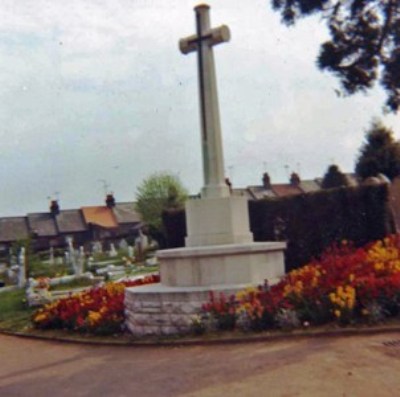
(346, 285)
(99, 310)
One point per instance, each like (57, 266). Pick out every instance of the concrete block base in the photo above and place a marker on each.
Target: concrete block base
(188, 275)
(161, 310)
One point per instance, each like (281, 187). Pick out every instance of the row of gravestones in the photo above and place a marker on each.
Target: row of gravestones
(16, 272)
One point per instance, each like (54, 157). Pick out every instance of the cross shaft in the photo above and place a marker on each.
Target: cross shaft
(202, 42)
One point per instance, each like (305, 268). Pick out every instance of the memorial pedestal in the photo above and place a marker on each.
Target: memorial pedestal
(188, 275)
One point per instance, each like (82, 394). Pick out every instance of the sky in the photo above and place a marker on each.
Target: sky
(95, 97)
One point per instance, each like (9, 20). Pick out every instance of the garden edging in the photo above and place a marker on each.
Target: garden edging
(213, 340)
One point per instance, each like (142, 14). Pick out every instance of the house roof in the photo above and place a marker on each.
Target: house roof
(100, 216)
(286, 189)
(126, 213)
(309, 186)
(42, 224)
(260, 192)
(242, 192)
(70, 221)
(352, 179)
(13, 228)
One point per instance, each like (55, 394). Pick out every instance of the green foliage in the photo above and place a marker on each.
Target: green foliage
(14, 312)
(157, 193)
(380, 154)
(334, 178)
(364, 43)
(312, 222)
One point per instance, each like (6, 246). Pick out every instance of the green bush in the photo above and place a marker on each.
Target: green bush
(311, 222)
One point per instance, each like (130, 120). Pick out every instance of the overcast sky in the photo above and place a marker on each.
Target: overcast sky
(96, 93)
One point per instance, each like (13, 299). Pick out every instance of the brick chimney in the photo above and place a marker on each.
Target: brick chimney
(266, 181)
(295, 179)
(110, 200)
(54, 207)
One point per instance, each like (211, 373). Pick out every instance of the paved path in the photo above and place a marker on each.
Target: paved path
(360, 366)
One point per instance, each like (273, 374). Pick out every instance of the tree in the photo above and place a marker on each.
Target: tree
(364, 45)
(380, 154)
(157, 193)
(334, 178)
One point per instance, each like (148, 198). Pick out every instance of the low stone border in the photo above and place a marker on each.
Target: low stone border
(221, 339)
(9, 288)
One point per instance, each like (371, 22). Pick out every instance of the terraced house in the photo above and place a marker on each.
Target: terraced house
(107, 223)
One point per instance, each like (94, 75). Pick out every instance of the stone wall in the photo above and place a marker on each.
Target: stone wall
(160, 310)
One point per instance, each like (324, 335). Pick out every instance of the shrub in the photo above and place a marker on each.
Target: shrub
(306, 222)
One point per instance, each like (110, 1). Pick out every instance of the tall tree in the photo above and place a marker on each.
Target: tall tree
(155, 194)
(379, 154)
(334, 178)
(364, 45)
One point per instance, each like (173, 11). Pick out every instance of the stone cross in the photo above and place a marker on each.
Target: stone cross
(202, 42)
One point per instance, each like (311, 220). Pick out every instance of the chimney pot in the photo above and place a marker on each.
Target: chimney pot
(110, 200)
(54, 207)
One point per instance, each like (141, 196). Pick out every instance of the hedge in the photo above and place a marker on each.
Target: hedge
(309, 222)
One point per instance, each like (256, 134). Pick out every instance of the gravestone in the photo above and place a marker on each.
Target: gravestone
(123, 245)
(141, 244)
(22, 268)
(80, 261)
(97, 247)
(112, 253)
(220, 254)
(130, 252)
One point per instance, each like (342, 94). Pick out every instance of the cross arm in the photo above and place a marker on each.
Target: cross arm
(214, 36)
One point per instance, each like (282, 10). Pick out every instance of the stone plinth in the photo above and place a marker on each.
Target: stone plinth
(188, 275)
(250, 263)
(157, 309)
(217, 221)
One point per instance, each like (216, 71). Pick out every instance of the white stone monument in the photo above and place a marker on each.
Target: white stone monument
(22, 268)
(113, 252)
(220, 254)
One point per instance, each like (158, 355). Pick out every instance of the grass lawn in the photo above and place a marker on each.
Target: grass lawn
(14, 311)
(78, 283)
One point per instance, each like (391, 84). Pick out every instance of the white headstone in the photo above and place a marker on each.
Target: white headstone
(22, 268)
(113, 253)
(130, 251)
(97, 247)
(123, 245)
(79, 262)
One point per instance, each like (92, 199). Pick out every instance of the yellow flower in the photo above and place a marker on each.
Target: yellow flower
(337, 313)
(94, 317)
(332, 297)
(40, 317)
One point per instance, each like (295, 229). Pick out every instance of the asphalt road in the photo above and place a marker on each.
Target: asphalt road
(357, 366)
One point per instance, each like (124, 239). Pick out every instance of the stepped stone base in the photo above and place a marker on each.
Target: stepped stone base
(188, 275)
(162, 310)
